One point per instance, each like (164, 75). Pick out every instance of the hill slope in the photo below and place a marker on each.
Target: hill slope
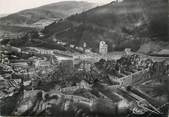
(55, 11)
(126, 24)
(3, 15)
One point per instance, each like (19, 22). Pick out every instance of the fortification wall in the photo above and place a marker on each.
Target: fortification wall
(135, 78)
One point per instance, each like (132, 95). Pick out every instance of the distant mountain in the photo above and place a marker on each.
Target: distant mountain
(55, 11)
(125, 24)
(3, 15)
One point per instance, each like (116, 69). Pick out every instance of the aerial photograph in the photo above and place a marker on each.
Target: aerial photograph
(84, 58)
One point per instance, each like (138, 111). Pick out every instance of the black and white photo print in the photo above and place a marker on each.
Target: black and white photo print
(84, 58)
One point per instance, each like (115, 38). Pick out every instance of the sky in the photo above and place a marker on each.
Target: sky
(12, 6)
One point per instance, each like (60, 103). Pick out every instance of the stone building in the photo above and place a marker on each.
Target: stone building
(67, 65)
(103, 48)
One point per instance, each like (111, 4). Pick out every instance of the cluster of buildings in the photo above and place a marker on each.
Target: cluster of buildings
(42, 60)
(3, 58)
(39, 51)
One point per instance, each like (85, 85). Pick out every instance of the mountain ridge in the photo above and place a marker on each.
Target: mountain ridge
(127, 24)
(58, 10)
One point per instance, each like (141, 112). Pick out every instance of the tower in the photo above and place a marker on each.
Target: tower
(84, 47)
(103, 47)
